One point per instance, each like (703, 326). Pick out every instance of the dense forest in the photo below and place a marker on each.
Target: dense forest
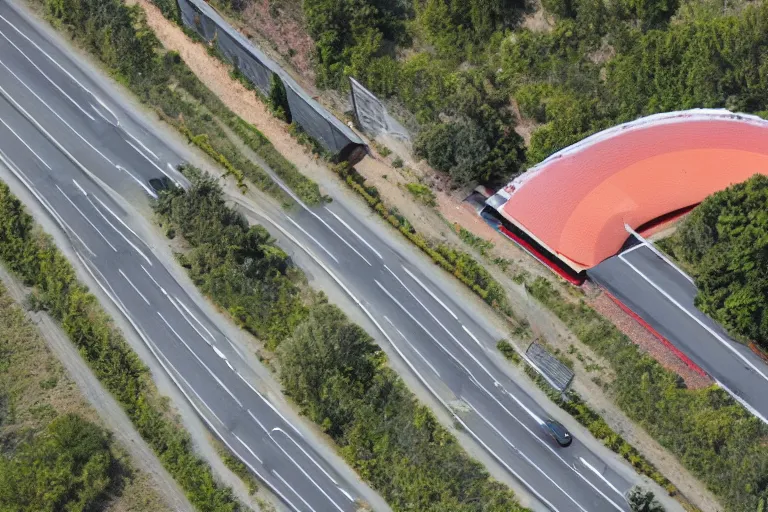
(724, 243)
(461, 66)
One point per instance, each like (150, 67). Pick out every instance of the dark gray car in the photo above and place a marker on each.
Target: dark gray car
(558, 432)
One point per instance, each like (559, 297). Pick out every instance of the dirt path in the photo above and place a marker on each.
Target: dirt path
(109, 411)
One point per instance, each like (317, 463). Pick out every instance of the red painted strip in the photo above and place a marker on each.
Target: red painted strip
(758, 351)
(684, 358)
(541, 257)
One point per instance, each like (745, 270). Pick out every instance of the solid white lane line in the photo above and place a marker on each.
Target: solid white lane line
(472, 336)
(160, 357)
(22, 34)
(743, 402)
(197, 395)
(145, 157)
(274, 409)
(523, 455)
(304, 472)
(248, 448)
(117, 230)
(408, 362)
(292, 489)
(431, 294)
(634, 248)
(27, 183)
(154, 281)
(424, 359)
(216, 378)
(443, 347)
(87, 219)
(278, 429)
(248, 384)
(301, 203)
(25, 144)
(173, 301)
(269, 404)
(133, 286)
(343, 223)
(57, 115)
(143, 146)
(266, 432)
(137, 180)
(456, 340)
(657, 252)
(234, 347)
(695, 318)
(117, 218)
(312, 238)
(48, 78)
(595, 471)
(212, 338)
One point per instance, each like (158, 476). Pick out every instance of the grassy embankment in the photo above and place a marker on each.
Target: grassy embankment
(53, 452)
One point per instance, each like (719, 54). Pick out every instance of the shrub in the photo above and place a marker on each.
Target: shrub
(423, 193)
(278, 99)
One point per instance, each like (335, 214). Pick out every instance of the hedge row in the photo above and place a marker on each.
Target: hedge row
(33, 257)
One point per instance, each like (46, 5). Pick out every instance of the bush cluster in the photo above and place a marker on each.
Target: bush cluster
(723, 242)
(67, 466)
(33, 257)
(330, 367)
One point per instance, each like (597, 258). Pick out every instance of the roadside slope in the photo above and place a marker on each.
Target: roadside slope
(48, 378)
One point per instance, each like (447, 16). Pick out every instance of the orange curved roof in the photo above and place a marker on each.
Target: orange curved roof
(577, 201)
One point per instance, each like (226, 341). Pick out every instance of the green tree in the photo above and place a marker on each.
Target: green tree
(725, 243)
(641, 500)
(278, 99)
(64, 468)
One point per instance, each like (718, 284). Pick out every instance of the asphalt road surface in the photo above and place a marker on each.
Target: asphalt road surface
(62, 136)
(663, 296)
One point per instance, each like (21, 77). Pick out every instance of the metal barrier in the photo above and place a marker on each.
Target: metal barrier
(314, 119)
(372, 115)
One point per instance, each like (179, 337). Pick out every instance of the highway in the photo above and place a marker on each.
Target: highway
(67, 142)
(663, 296)
(52, 135)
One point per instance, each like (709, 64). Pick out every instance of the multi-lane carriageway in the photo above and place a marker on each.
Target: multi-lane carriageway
(70, 141)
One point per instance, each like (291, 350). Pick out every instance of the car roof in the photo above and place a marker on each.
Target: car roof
(557, 427)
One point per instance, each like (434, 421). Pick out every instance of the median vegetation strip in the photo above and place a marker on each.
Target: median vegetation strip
(330, 367)
(714, 437)
(32, 256)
